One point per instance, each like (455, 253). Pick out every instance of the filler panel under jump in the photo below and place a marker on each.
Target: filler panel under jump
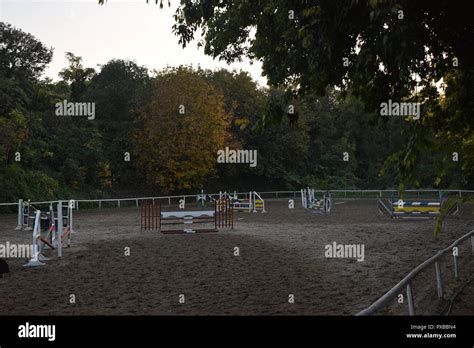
(153, 218)
(416, 208)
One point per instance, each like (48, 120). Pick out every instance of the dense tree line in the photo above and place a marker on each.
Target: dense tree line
(376, 50)
(159, 132)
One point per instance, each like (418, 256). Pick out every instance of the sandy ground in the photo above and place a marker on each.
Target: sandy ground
(281, 253)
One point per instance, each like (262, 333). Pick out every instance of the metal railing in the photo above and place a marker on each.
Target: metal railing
(406, 282)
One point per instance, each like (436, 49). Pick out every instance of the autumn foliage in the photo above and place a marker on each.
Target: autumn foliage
(182, 126)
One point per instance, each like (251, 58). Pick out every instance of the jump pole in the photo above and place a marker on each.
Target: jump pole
(303, 198)
(71, 205)
(60, 229)
(37, 257)
(20, 215)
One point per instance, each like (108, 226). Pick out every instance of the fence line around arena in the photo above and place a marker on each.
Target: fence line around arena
(266, 194)
(405, 283)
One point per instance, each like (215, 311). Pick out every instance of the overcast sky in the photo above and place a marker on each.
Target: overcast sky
(120, 29)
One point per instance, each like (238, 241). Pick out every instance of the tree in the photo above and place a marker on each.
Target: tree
(182, 126)
(115, 91)
(78, 76)
(21, 54)
(22, 60)
(376, 50)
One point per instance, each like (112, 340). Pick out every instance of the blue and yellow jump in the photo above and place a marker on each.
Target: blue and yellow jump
(415, 208)
(408, 207)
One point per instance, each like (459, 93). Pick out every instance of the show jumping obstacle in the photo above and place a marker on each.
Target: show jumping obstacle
(251, 203)
(23, 215)
(309, 201)
(153, 218)
(26, 215)
(201, 198)
(53, 236)
(415, 208)
(38, 258)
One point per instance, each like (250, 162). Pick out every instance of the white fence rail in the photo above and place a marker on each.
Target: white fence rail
(346, 194)
(405, 283)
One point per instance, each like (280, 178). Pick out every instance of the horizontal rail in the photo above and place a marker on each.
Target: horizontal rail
(276, 193)
(6, 204)
(402, 284)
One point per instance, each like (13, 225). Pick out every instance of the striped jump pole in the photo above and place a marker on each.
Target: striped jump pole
(150, 216)
(224, 214)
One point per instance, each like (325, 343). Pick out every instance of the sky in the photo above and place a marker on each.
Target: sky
(120, 29)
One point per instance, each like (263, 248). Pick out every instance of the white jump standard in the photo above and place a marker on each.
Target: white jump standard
(202, 198)
(251, 203)
(26, 214)
(23, 215)
(309, 201)
(54, 239)
(38, 258)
